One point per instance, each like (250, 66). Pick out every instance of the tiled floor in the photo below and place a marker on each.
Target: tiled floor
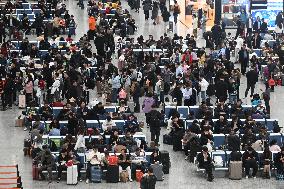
(182, 174)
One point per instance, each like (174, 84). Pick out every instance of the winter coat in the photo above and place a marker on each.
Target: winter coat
(147, 104)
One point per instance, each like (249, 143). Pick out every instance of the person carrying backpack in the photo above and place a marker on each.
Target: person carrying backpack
(149, 180)
(176, 11)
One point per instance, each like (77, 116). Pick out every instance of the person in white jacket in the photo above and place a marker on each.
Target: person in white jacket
(55, 87)
(203, 88)
(80, 144)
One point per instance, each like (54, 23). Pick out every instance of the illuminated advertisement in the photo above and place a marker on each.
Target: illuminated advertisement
(269, 14)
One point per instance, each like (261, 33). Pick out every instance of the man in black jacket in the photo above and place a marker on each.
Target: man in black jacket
(205, 162)
(252, 78)
(243, 59)
(221, 89)
(250, 159)
(233, 141)
(155, 118)
(148, 181)
(8, 91)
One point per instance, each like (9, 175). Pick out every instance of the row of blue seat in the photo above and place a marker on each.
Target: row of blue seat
(57, 110)
(17, 44)
(226, 155)
(58, 139)
(185, 110)
(268, 123)
(219, 140)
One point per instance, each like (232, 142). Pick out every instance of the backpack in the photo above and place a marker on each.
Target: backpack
(276, 128)
(154, 118)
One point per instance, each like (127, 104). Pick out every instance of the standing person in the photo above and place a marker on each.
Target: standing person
(8, 91)
(148, 102)
(263, 28)
(249, 25)
(194, 24)
(155, 13)
(221, 89)
(203, 88)
(252, 78)
(115, 87)
(187, 92)
(243, 58)
(155, 117)
(166, 17)
(176, 11)
(148, 181)
(2, 84)
(147, 6)
(29, 89)
(72, 26)
(137, 5)
(92, 27)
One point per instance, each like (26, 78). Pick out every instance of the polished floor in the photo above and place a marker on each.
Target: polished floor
(182, 174)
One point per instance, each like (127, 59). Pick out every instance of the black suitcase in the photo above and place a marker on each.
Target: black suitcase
(112, 174)
(177, 146)
(165, 160)
(166, 168)
(167, 139)
(27, 143)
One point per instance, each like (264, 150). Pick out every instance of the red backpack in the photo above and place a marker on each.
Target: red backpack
(41, 84)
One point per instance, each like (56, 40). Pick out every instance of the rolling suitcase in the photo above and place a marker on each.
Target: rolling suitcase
(96, 174)
(112, 174)
(72, 175)
(167, 139)
(22, 101)
(158, 171)
(235, 170)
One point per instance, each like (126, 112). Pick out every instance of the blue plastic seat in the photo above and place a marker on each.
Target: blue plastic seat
(183, 111)
(277, 137)
(219, 140)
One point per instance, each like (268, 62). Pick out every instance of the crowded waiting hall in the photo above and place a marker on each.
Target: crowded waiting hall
(141, 94)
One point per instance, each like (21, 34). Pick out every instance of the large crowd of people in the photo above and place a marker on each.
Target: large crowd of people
(170, 71)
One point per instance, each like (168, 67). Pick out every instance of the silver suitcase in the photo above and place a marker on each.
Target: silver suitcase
(72, 175)
(158, 171)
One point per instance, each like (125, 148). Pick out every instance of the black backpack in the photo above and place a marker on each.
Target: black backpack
(276, 128)
(154, 118)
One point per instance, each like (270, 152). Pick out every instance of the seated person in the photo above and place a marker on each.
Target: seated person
(46, 111)
(64, 113)
(83, 111)
(155, 158)
(108, 124)
(31, 113)
(279, 161)
(274, 146)
(237, 109)
(62, 159)
(152, 147)
(47, 163)
(265, 161)
(54, 131)
(76, 161)
(128, 141)
(205, 162)
(69, 142)
(97, 111)
(250, 159)
(114, 138)
(186, 141)
(236, 124)
(124, 162)
(206, 137)
(123, 108)
(94, 158)
(195, 127)
(206, 122)
(233, 141)
(38, 124)
(132, 124)
(138, 160)
(221, 109)
(248, 139)
(221, 126)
